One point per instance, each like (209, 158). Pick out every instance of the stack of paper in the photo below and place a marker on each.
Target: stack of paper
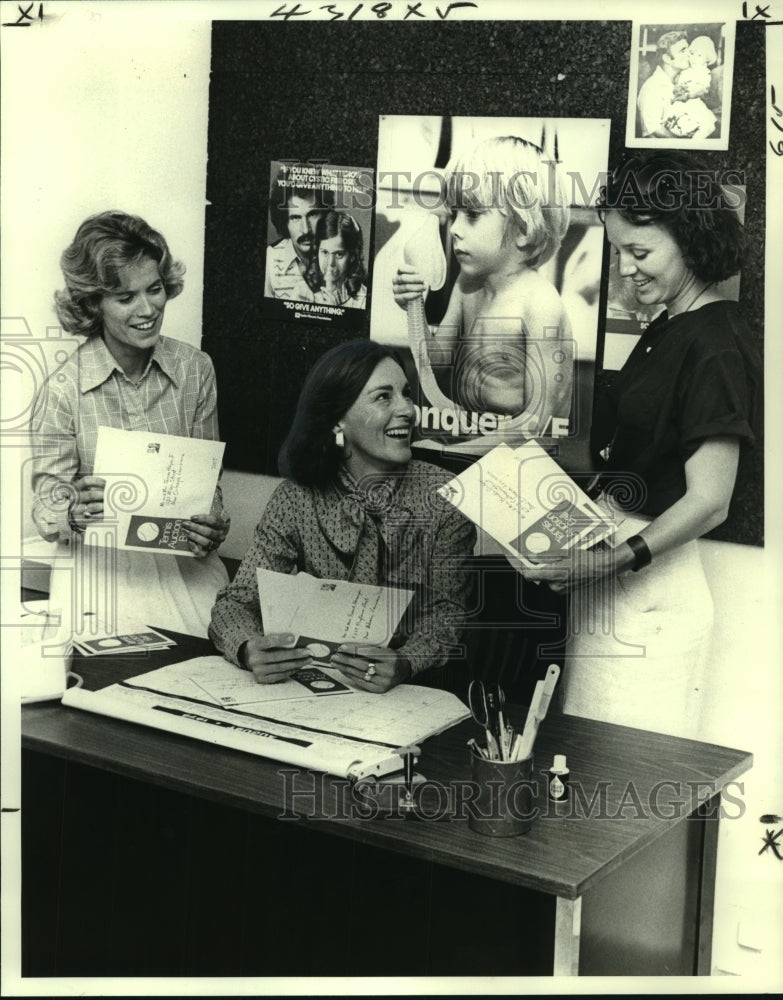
(353, 736)
(214, 680)
(109, 644)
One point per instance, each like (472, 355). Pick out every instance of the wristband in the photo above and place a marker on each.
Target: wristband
(641, 554)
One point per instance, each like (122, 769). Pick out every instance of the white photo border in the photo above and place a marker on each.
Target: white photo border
(632, 139)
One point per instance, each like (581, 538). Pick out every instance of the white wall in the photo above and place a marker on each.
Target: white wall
(111, 111)
(102, 109)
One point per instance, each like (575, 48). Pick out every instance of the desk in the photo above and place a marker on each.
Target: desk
(630, 895)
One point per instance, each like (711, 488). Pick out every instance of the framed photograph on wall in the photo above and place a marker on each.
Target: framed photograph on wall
(679, 90)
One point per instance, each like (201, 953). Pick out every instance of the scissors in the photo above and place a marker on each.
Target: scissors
(486, 705)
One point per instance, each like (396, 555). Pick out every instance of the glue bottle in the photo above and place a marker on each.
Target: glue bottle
(557, 781)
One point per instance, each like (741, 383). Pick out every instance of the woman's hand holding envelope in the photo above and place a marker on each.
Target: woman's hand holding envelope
(88, 504)
(573, 569)
(373, 668)
(206, 533)
(273, 658)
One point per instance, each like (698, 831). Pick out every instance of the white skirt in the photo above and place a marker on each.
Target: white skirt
(107, 589)
(637, 646)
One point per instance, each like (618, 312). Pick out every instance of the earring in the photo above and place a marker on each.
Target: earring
(339, 438)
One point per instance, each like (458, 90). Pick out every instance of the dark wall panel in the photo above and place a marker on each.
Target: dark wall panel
(315, 91)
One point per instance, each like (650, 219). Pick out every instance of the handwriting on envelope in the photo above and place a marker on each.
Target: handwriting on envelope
(330, 611)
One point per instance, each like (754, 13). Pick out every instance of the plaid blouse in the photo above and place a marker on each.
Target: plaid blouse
(175, 395)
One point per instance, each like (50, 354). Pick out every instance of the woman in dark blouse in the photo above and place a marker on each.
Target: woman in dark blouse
(669, 433)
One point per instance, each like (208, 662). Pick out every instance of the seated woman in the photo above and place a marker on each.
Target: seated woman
(354, 506)
(336, 273)
(119, 275)
(669, 432)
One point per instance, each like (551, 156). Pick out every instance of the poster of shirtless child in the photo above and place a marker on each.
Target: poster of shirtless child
(487, 269)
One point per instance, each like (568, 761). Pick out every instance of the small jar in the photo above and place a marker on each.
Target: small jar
(557, 780)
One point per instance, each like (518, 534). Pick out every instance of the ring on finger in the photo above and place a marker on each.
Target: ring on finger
(369, 673)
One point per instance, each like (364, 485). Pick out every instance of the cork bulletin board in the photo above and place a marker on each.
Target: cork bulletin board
(269, 104)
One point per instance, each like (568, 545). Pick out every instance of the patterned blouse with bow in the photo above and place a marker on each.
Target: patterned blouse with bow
(398, 532)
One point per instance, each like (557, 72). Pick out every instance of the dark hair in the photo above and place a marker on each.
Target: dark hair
(289, 183)
(669, 189)
(345, 226)
(309, 455)
(103, 245)
(664, 44)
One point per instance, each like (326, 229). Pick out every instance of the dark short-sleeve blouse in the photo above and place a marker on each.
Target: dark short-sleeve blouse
(691, 377)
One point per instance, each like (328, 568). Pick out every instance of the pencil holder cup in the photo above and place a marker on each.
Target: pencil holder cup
(505, 803)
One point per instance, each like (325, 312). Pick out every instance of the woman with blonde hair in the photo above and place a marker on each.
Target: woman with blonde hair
(119, 277)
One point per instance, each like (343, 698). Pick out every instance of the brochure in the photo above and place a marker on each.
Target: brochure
(527, 503)
(154, 482)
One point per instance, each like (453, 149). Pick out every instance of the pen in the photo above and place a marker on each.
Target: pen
(493, 749)
(408, 769)
(496, 722)
(486, 705)
(502, 731)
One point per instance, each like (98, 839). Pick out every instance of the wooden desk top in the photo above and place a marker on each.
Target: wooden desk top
(640, 784)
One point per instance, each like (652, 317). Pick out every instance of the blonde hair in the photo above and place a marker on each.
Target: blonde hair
(514, 176)
(705, 47)
(104, 244)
